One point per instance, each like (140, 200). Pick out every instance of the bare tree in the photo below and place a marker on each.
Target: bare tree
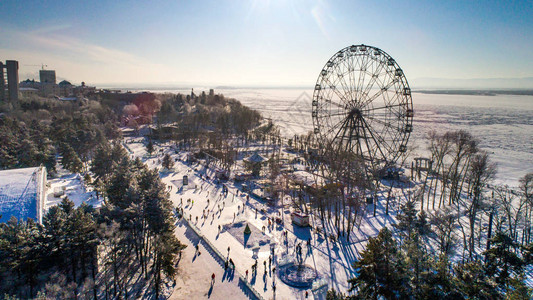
(440, 147)
(526, 187)
(443, 222)
(464, 147)
(513, 209)
(481, 171)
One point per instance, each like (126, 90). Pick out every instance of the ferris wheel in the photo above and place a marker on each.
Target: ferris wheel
(362, 105)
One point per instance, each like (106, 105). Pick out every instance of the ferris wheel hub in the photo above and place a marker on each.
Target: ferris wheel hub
(355, 112)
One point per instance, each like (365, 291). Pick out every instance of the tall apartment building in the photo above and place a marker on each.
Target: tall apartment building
(48, 83)
(9, 80)
(47, 76)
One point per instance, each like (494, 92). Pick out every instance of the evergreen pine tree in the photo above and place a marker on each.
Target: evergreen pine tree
(121, 189)
(472, 282)
(500, 258)
(381, 271)
(101, 164)
(407, 218)
(150, 147)
(167, 163)
(71, 161)
(518, 289)
(436, 280)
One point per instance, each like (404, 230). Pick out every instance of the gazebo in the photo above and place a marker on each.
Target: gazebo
(255, 161)
(255, 158)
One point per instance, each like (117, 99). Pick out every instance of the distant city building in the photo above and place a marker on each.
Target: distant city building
(22, 193)
(84, 90)
(9, 80)
(71, 98)
(211, 92)
(48, 83)
(47, 76)
(47, 87)
(30, 84)
(65, 88)
(27, 92)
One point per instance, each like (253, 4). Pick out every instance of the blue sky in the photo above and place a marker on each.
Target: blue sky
(262, 43)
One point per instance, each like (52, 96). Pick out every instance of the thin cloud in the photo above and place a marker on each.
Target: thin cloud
(51, 28)
(82, 58)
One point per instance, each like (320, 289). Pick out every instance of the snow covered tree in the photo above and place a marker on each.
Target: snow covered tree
(167, 162)
(101, 164)
(518, 289)
(443, 223)
(526, 187)
(160, 221)
(381, 271)
(436, 282)
(481, 171)
(407, 218)
(150, 147)
(71, 161)
(121, 190)
(472, 282)
(501, 260)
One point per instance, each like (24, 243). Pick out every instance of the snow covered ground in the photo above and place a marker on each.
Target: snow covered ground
(208, 207)
(71, 186)
(220, 219)
(195, 270)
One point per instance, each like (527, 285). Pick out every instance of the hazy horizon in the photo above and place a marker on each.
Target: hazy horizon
(525, 83)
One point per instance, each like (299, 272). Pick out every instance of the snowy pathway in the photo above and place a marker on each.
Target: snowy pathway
(194, 274)
(215, 214)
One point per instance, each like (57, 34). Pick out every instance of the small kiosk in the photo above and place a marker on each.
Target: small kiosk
(242, 176)
(221, 174)
(300, 219)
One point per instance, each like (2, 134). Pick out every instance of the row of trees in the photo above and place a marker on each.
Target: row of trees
(96, 253)
(82, 251)
(417, 260)
(206, 121)
(408, 271)
(139, 225)
(34, 256)
(34, 132)
(406, 266)
(458, 188)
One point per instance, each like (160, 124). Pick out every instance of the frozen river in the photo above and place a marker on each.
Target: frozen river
(502, 123)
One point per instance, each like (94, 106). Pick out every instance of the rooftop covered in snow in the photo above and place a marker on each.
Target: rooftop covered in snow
(22, 193)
